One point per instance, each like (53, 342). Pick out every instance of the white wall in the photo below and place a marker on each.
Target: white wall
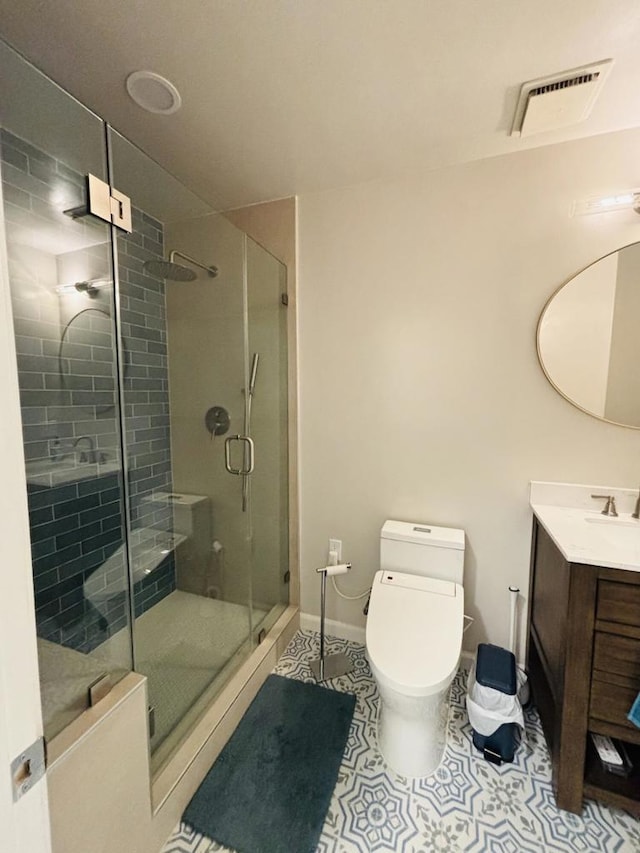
(421, 394)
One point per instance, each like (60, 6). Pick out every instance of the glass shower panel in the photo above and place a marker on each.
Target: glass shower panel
(268, 419)
(60, 272)
(181, 314)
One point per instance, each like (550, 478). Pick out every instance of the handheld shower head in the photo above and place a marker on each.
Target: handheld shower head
(254, 373)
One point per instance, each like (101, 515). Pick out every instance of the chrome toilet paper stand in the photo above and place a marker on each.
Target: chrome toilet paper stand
(327, 667)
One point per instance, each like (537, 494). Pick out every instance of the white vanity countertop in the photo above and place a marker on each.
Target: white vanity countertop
(573, 519)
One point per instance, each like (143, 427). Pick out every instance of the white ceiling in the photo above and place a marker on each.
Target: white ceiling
(291, 96)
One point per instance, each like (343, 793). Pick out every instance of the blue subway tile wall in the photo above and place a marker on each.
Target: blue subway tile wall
(73, 532)
(66, 367)
(146, 382)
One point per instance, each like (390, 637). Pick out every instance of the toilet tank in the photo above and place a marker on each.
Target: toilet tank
(191, 517)
(422, 549)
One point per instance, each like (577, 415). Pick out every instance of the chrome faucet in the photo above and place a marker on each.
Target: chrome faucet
(610, 506)
(92, 455)
(636, 512)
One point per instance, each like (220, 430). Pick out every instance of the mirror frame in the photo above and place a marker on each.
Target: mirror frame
(539, 325)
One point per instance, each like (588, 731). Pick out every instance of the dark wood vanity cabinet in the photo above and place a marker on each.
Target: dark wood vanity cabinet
(584, 669)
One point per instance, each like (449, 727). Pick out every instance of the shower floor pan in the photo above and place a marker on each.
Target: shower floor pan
(183, 644)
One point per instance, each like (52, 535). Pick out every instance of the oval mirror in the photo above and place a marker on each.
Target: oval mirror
(86, 360)
(588, 340)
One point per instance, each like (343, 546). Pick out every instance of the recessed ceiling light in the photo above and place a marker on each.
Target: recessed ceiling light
(153, 93)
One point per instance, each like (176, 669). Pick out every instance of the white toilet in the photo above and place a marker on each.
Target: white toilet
(414, 640)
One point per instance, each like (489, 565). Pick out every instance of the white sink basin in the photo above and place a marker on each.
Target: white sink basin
(45, 472)
(620, 533)
(612, 521)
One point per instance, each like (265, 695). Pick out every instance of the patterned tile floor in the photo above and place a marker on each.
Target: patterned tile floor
(467, 805)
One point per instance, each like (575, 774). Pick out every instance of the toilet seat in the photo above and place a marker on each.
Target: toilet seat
(414, 632)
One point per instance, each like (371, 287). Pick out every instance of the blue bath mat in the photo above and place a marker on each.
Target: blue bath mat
(270, 788)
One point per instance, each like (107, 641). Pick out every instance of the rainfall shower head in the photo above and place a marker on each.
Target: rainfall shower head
(177, 272)
(167, 269)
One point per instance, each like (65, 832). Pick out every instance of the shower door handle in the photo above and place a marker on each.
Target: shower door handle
(248, 459)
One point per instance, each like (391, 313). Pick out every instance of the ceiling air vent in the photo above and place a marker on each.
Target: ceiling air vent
(558, 101)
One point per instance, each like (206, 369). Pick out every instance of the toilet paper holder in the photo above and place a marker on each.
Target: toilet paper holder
(327, 667)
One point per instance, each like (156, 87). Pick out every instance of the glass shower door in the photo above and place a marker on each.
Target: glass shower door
(60, 271)
(267, 422)
(151, 546)
(182, 324)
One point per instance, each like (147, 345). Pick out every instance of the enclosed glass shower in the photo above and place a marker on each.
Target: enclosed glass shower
(152, 365)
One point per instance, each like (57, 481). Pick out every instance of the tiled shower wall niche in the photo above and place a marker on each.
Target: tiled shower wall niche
(68, 393)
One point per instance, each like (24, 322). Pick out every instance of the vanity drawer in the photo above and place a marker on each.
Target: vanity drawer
(616, 679)
(616, 659)
(618, 602)
(612, 703)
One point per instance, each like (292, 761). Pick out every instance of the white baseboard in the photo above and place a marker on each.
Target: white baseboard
(333, 628)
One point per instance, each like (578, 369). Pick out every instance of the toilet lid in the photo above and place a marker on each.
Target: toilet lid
(414, 631)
